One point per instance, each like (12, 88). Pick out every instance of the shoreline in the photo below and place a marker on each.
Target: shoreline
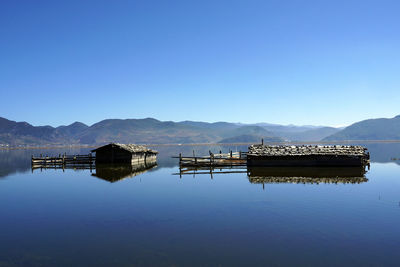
(212, 144)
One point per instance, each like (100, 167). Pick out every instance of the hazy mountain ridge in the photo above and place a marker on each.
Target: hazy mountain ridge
(371, 129)
(314, 134)
(152, 131)
(249, 138)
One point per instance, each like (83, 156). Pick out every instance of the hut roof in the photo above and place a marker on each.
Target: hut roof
(286, 150)
(129, 147)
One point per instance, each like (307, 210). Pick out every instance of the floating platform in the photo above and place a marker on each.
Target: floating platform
(311, 156)
(63, 161)
(213, 160)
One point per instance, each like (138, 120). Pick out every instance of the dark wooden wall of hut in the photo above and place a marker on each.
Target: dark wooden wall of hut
(306, 160)
(109, 154)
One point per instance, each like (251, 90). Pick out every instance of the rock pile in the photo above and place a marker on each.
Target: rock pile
(135, 148)
(286, 150)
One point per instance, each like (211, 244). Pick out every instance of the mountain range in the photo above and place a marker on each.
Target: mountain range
(152, 131)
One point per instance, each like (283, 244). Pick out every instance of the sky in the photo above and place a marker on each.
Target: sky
(285, 62)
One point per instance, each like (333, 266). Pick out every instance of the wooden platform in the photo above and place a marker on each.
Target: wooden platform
(213, 160)
(311, 156)
(62, 161)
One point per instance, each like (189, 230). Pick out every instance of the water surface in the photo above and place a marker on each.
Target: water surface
(65, 218)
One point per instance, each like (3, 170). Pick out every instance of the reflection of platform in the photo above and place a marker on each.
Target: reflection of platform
(117, 172)
(210, 170)
(306, 175)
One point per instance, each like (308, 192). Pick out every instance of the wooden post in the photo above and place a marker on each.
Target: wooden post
(231, 153)
(180, 158)
(262, 141)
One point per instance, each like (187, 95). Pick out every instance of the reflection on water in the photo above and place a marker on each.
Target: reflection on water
(117, 172)
(264, 175)
(307, 175)
(67, 218)
(111, 172)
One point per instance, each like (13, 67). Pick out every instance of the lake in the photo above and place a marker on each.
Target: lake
(71, 217)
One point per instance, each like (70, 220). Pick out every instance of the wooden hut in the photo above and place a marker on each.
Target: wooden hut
(285, 155)
(125, 153)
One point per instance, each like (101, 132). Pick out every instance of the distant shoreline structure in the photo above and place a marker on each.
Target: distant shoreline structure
(207, 144)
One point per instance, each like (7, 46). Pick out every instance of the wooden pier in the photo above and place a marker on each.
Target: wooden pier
(213, 160)
(63, 161)
(284, 156)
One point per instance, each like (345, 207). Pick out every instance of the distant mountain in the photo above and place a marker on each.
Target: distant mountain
(249, 138)
(158, 132)
(314, 134)
(373, 129)
(73, 129)
(214, 125)
(21, 133)
(152, 131)
(145, 131)
(250, 134)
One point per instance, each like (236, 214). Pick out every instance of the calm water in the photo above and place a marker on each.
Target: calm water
(71, 218)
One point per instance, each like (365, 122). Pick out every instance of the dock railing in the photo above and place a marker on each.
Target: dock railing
(63, 160)
(215, 160)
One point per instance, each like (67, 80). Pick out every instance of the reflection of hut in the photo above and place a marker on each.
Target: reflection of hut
(117, 172)
(284, 155)
(306, 175)
(125, 153)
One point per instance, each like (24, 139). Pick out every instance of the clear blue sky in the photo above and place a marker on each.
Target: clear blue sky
(300, 62)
